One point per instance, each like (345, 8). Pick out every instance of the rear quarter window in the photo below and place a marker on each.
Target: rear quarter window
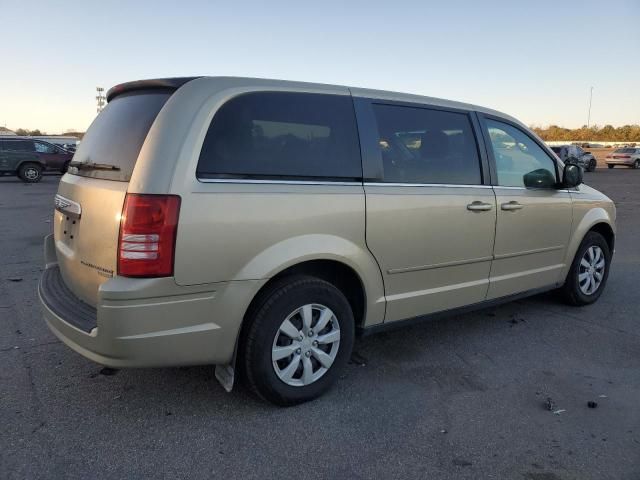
(282, 135)
(117, 134)
(19, 146)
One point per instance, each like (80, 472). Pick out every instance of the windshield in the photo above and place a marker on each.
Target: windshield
(625, 150)
(117, 134)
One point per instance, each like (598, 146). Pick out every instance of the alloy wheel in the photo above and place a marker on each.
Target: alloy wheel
(31, 173)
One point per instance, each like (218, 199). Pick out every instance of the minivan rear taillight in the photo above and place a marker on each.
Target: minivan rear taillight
(148, 226)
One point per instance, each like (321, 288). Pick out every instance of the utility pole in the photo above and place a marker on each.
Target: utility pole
(589, 115)
(100, 99)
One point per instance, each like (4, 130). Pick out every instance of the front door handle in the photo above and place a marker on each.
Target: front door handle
(511, 206)
(478, 206)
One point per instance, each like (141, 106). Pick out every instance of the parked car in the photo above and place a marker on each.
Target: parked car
(576, 155)
(628, 157)
(258, 225)
(64, 141)
(28, 158)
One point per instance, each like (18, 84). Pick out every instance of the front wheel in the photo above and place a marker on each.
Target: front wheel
(30, 172)
(299, 337)
(592, 166)
(589, 271)
(610, 167)
(636, 164)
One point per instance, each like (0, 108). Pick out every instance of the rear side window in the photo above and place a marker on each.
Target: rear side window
(116, 135)
(421, 145)
(282, 135)
(19, 146)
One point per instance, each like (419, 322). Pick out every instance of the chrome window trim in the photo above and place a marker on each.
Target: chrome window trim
(249, 181)
(561, 190)
(517, 188)
(444, 185)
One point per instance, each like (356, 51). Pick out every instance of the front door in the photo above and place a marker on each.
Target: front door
(533, 216)
(50, 155)
(430, 217)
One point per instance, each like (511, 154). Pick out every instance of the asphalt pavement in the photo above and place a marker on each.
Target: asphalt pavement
(463, 397)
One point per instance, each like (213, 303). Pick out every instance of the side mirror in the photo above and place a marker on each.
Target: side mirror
(540, 178)
(572, 176)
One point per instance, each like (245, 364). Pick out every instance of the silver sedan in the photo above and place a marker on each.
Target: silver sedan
(629, 157)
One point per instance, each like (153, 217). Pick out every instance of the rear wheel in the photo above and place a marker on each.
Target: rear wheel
(589, 271)
(610, 166)
(299, 337)
(30, 172)
(592, 166)
(636, 164)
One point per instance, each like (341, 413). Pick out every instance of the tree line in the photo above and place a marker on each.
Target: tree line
(608, 133)
(25, 132)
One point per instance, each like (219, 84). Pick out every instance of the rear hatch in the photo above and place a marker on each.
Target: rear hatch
(91, 195)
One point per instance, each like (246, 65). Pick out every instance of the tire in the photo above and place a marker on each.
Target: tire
(592, 166)
(610, 166)
(30, 172)
(574, 288)
(636, 164)
(65, 167)
(288, 301)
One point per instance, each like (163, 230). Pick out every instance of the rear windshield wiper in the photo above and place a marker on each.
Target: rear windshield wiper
(93, 166)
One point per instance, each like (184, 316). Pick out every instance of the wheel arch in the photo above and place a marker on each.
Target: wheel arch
(607, 232)
(328, 257)
(595, 220)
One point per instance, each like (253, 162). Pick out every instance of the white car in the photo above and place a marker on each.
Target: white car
(628, 157)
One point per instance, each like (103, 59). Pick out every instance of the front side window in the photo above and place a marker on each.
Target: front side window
(421, 145)
(42, 147)
(517, 156)
(283, 135)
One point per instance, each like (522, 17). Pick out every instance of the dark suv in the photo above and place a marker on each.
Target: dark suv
(28, 158)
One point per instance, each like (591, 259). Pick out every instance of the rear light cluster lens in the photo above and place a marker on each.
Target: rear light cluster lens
(148, 227)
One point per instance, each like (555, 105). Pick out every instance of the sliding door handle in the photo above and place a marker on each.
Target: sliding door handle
(478, 206)
(511, 206)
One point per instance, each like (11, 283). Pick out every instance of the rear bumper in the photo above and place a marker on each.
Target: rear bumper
(147, 322)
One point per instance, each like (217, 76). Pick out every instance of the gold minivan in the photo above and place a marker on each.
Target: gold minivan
(258, 225)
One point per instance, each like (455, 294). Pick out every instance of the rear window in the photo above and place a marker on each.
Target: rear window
(117, 134)
(282, 135)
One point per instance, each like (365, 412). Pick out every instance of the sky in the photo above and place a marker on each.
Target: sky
(535, 60)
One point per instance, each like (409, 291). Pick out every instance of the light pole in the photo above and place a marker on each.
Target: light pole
(589, 115)
(100, 99)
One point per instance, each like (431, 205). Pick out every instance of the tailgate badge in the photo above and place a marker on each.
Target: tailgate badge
(66, 206)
